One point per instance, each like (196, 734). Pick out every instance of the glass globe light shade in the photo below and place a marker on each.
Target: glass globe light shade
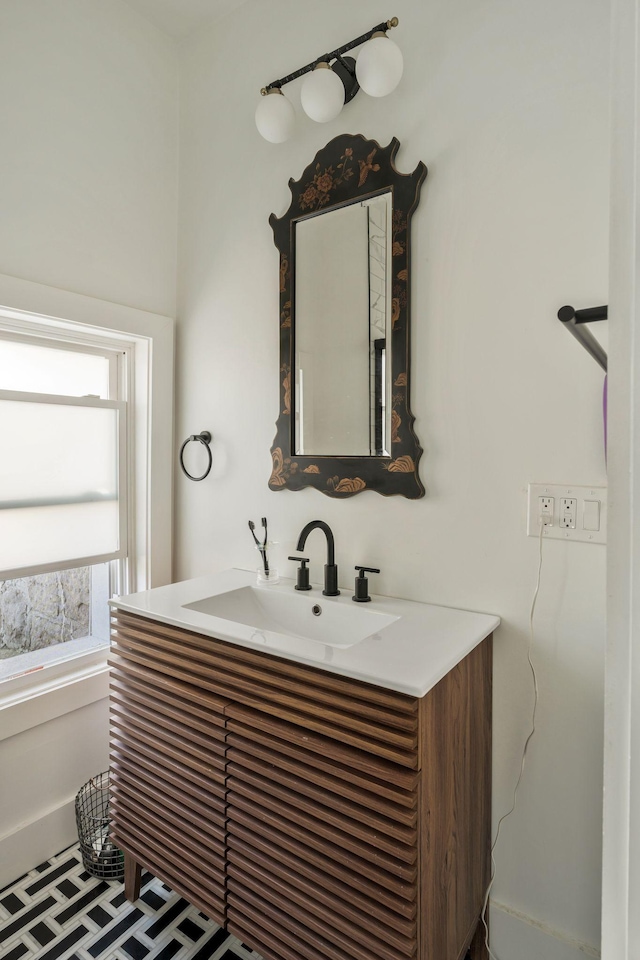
(322, 94)
(379, 66)
(275, 117)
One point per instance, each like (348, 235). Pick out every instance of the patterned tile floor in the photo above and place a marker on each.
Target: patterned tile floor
(59, 912)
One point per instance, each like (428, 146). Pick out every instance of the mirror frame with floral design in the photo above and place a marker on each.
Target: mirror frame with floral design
(348, 168)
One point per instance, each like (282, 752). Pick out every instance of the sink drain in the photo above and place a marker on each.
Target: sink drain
(316, 609)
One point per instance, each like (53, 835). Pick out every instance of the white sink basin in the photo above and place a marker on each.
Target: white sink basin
(399, 644)
(308, 617)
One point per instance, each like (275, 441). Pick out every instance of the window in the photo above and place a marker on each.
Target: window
(63, 504)
(53, 617)
(85, 479)
(63, 466)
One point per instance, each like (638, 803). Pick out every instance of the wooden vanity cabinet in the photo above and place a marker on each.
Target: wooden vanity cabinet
(168, 778)
(316, 816)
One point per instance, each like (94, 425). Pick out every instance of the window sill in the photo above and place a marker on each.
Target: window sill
(42, 692)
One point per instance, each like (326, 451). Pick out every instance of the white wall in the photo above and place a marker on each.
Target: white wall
(621, 820)
(506, 103)
(88, 160)
(50, 745)
(88, 203)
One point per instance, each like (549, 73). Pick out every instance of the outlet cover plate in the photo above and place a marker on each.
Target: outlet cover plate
(559, 492)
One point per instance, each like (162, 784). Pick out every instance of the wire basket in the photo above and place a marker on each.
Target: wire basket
(100, 856)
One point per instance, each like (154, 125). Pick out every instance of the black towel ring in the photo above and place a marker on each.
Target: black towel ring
(205, 439)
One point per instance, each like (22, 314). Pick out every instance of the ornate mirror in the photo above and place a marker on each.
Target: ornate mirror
(345, 424)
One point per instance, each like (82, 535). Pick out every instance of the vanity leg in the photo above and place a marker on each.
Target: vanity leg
(477, 948)
(132, 872)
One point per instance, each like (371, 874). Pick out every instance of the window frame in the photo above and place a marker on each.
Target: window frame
(145, 381)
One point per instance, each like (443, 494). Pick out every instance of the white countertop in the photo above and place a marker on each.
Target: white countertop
(410, 655)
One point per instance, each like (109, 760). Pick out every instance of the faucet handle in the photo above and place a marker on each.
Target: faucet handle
(362, 584)
(303, 574)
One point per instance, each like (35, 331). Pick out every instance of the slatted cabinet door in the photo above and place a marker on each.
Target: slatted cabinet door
(320, 817)
(168, 773)
(322, 845)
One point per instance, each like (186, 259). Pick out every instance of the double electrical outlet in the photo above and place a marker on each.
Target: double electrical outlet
(567, 512)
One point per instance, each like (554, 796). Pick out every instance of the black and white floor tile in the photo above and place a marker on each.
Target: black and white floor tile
(59, 912)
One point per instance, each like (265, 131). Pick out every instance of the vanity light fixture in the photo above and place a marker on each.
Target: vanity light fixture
(332, 81)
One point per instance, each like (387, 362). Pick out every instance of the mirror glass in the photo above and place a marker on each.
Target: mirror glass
(342, 308)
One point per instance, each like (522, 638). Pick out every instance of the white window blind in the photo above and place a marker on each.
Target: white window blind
(58, 368)
(62, 482)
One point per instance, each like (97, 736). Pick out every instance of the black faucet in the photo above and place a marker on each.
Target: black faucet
(331, 568)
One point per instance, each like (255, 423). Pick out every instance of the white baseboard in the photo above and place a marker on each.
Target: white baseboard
(514, 936)
(33, 843)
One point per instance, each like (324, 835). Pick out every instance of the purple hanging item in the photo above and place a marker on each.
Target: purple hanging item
(604, 415)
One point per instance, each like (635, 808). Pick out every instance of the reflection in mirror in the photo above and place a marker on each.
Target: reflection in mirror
(342, 305)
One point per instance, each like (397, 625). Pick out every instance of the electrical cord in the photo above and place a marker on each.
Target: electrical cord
(492, 956)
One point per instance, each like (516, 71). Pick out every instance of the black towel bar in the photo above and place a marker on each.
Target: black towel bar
(573, 320)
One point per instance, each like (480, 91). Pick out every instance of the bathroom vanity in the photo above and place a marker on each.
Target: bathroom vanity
(321, 801)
